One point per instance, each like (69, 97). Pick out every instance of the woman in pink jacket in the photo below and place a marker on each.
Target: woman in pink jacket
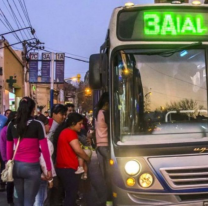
(26, 171)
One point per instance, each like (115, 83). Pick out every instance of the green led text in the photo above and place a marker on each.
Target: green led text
(173, 24)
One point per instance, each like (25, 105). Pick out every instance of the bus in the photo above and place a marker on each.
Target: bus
(153, 63)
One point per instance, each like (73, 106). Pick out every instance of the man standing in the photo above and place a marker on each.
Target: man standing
(70, 108)
(58, 114)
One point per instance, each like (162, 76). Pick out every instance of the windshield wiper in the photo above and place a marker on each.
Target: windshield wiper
(170, 52)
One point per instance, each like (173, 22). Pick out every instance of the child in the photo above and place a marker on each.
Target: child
(88, 150)
(42, 193)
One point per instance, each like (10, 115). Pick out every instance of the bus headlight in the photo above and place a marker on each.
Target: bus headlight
(146, 180)
(130, 181)
(132, 167)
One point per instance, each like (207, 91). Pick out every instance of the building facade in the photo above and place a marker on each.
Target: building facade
(11, 77)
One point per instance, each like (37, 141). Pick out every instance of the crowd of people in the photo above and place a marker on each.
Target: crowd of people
(52, 153)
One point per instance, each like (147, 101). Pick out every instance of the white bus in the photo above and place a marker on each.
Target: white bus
(154, 65)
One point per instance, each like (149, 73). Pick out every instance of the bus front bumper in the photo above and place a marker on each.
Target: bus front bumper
(126, 198)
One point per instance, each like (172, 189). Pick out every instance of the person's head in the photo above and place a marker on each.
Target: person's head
(46, 114)
(25, 111)
(75, 121)
(45, 121)
(7, 112)
(70, 108)
(103, 102)
(58, 113)
(11, 116)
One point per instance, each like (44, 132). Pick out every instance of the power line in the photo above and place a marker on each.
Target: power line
(67, 53)
(71, 57)
(77, 59)
(25, 11)
(15, 18)
(21, 18)
(16, 43)
(4, 24)
(8, 23)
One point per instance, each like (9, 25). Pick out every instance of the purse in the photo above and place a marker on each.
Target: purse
(7, 173)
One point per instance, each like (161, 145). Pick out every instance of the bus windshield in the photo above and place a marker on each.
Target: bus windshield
(160, 99)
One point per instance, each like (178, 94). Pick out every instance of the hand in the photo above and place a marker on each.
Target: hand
(49, 175)
(50, 185)
(89, 141)
(43, 177)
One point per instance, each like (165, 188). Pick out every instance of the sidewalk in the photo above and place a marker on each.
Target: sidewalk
(92, 189)
(3, 201)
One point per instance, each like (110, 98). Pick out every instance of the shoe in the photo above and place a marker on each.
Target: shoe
(80, 170)
(109, 203)
(84, 176)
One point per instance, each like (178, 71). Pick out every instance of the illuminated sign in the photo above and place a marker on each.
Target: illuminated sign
(173, 24)
(163, 24)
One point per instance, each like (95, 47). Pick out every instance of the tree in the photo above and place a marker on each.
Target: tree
(185, 104)
(84, 101)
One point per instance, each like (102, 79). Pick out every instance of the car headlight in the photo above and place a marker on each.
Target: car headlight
(132, 167)
(146, 180)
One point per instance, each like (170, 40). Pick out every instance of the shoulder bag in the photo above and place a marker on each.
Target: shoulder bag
(7, 173)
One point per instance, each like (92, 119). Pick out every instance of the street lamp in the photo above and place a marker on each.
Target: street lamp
(74, 79)
(149, 93)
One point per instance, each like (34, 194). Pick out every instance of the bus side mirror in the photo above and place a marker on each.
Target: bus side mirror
(97, 72)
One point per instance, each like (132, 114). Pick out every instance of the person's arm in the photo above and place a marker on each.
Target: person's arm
(10, 143)
(46, 155)
(44, 145)
(78, 150)
(3, 143)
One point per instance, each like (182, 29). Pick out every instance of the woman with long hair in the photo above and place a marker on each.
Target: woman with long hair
(31, 137)
(67, 148)
(102, 140)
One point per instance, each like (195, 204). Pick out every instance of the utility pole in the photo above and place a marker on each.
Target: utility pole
(52, 80)
(24, 60)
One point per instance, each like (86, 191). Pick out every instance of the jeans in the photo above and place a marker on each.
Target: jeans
(26, 182)
(42, 194)
(70, 183)
(103, 154)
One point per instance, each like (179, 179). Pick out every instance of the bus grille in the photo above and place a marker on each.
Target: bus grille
(189, 177)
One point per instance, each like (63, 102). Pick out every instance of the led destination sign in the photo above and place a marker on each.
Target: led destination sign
(163, 25)
(173, 24)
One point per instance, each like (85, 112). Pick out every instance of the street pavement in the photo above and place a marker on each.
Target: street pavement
(92, 189)
(3, 201)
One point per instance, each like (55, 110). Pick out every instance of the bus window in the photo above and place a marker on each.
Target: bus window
(160, 94)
